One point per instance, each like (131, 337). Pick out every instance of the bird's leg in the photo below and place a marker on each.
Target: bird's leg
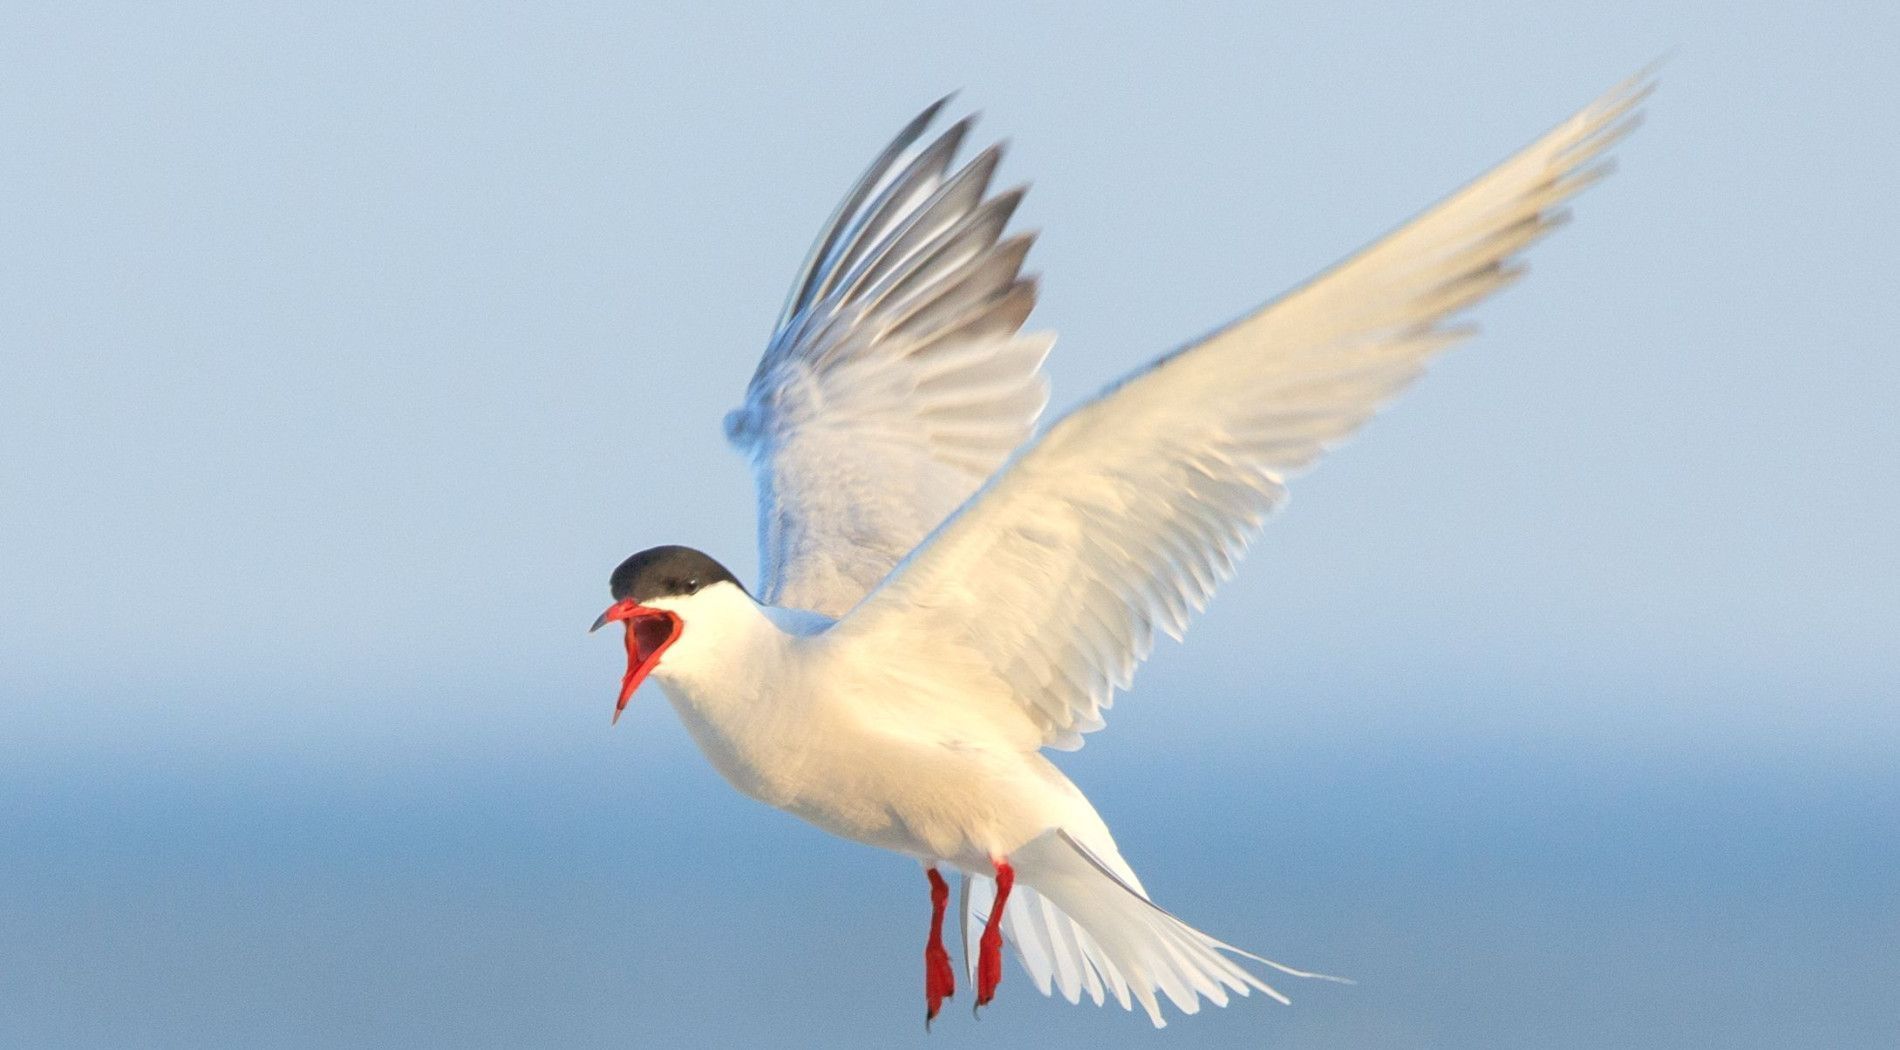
(940, 981)
(989, 959)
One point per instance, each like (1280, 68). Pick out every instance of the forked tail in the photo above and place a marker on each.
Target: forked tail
(1080, 926)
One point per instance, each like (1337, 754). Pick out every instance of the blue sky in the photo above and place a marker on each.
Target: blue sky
(348, 350)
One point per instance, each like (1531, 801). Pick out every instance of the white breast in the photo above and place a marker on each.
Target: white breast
(792, 721)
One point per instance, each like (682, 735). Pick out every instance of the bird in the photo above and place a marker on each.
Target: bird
(947, 594)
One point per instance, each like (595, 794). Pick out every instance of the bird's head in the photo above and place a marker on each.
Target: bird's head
(655, 593)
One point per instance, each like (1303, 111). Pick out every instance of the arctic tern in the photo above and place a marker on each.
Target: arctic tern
(944, 594)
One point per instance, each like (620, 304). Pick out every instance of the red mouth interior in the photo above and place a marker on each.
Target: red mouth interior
(649, 633)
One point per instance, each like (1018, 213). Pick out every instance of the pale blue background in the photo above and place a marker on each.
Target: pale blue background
(346, 350)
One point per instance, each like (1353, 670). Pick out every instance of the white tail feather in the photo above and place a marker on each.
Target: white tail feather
(1080, 928)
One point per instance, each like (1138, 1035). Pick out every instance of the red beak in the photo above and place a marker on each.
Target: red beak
(649, 633)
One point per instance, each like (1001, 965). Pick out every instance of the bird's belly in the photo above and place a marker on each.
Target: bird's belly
(926, 798)
(905, 799)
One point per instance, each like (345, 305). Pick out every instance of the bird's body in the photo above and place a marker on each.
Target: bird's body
(794, 719)
(945, 597)
(831, 728)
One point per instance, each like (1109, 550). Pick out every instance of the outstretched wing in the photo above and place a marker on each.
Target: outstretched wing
(898, 379)
(1124, 516)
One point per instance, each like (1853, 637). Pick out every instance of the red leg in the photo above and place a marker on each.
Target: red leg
(989, 960)
(940, 981)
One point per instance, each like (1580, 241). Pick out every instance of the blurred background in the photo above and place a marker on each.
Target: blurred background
(347, 349)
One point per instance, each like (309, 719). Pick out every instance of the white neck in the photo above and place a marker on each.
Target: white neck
(733, 679)
(723, 632)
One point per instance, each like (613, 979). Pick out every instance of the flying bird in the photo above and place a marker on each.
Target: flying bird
(946, 594)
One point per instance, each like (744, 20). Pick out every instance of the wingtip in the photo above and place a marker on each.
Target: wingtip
(1651, 69)
(929, 113)
(955, 134)
(1632, 91)
(990, 156)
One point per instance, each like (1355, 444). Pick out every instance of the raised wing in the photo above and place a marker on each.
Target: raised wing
(898, 379)
(1123, 518)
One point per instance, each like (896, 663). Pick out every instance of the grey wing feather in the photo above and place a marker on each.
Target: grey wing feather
(898, 378)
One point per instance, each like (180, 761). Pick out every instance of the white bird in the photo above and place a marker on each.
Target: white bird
(944, 597)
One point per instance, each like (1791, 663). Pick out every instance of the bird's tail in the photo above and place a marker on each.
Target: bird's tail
(1079, 925)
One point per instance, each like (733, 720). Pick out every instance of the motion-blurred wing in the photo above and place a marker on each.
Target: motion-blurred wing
(1123, 518)
(898, 379)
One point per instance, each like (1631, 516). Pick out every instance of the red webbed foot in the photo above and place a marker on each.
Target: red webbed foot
(989, 960)
(940, 981)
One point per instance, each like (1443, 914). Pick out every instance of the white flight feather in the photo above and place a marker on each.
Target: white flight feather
(1123, 517)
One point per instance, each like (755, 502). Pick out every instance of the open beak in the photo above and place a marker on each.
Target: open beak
(649, 633)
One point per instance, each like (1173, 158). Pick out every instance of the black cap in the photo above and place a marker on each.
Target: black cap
(665, 572)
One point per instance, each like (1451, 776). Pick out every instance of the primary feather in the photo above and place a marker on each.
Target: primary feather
(1124, 517)
(898, 378)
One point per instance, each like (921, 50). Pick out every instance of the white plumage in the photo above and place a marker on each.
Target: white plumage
(935, 613)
